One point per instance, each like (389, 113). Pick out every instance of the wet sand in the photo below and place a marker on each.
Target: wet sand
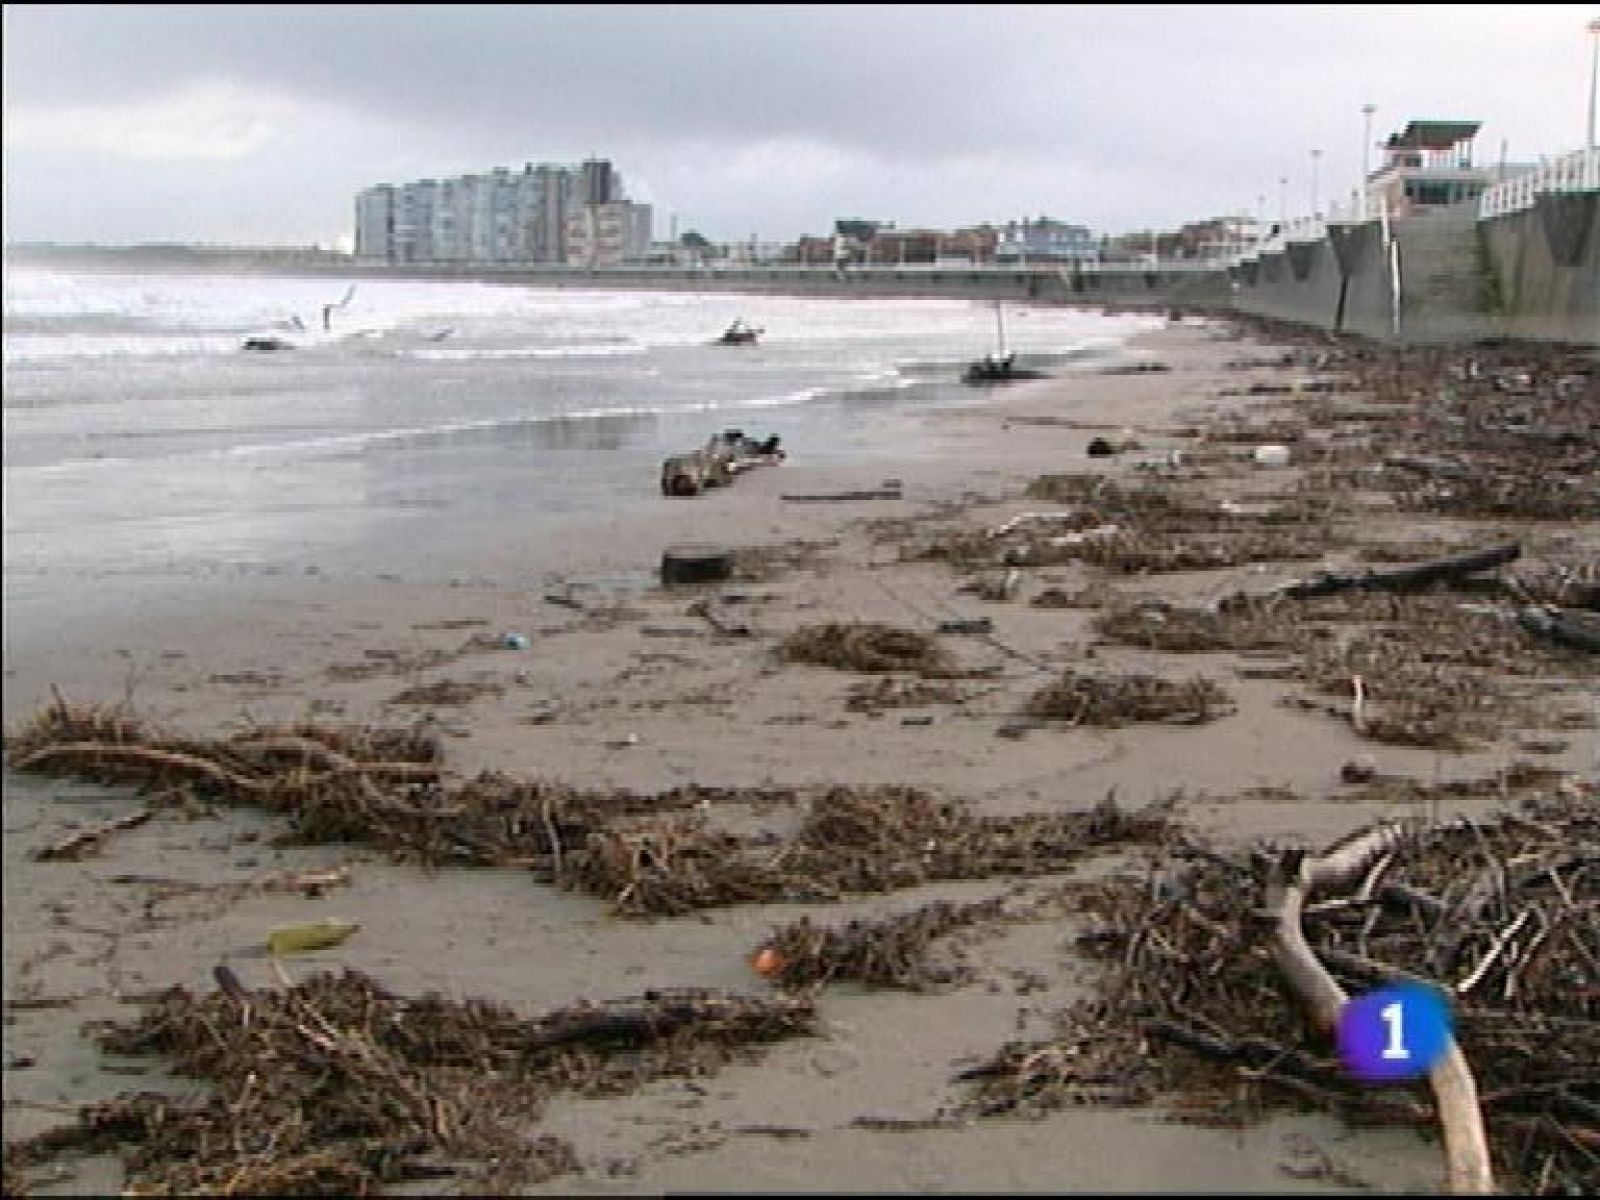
(620, 684)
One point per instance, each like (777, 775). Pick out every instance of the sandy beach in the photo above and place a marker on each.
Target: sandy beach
(562, 658)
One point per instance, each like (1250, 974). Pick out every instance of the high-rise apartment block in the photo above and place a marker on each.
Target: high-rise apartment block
(541, 214)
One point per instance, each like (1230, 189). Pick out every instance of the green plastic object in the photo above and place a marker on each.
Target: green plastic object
(316, 935)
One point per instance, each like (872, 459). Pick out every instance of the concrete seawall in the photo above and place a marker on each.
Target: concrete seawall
(1531, 275)
(1544, 267)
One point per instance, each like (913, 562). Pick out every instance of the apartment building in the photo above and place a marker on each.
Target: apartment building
(503, 216)
(1044, 240)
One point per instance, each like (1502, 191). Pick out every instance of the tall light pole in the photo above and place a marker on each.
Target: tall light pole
(1366, 150)
(1316, 156)
(1594, 72)
(1283, 204)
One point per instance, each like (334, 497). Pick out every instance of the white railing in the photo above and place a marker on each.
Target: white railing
(1575, 172)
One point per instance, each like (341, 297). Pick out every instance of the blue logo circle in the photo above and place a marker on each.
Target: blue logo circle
(1394, 1033)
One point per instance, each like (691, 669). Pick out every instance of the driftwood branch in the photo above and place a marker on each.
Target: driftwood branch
(96, 753)
(706, 610)
(89, 841)
(862, 494)
(1405, 579)
(1345, 865)
(312, 753)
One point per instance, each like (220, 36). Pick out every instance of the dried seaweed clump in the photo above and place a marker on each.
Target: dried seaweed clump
(1113, 700)
(1406, 698)
(870, 840)
(445, 692)
(875, 695)
(668, 866)
(1150, 551)
(644, 852)
(867, 646)
(888, 953)
(336, 1086)
(760, 564)
(1092, 597)
(1249, 625)
(1191, 1011)
(852, 840)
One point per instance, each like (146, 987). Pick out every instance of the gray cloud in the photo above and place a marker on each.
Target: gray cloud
(770, 119)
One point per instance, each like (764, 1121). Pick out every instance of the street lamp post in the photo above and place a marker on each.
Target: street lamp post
(1594, 72)
(1366, 149)
(1316, 155)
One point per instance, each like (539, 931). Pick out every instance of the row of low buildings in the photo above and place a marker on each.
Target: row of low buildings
(551, 214)
(1017, 242)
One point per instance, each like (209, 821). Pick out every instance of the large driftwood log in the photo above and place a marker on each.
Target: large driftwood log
(1405, 579)
(716, 463)
(1343, 867)
(691, 474)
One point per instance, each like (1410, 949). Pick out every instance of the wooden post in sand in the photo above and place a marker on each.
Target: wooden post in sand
(695, 563)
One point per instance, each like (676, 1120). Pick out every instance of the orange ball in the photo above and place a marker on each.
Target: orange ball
(768, 962)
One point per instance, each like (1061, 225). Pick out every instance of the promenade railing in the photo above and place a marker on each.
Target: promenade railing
(1575, 172)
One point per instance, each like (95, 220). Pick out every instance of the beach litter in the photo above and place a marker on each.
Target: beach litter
(314, 935)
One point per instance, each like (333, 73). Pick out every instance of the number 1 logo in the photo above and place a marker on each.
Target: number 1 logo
(1394, 1033)
(1393, 1015)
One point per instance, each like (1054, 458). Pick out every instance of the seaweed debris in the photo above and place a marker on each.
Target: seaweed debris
(643, 853)
(888, 953)
(336, 1086)
(851, 840)
(1113, 700)
(867, 646)
(1191, 1012)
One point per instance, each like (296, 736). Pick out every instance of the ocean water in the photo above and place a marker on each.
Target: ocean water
(145, 448)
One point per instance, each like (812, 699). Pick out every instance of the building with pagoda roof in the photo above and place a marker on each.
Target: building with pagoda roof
(1429, 164)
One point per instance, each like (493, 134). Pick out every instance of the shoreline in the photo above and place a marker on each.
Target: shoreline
(624, 685)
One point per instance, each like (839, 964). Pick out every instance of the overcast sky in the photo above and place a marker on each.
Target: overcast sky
(259, 124)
